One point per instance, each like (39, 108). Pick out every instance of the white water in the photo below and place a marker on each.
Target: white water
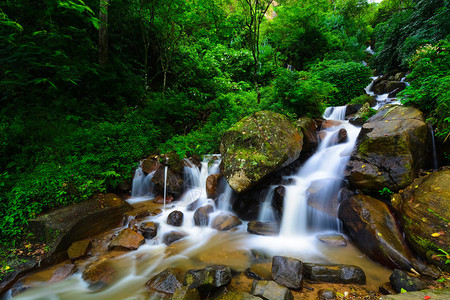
(142, 184)
(382, 99)
(328, 163)
(266, 213)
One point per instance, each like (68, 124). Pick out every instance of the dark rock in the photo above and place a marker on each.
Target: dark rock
(309, 128)
(201, 215)
(394, 93)
(390, 150)
(63, 272)
(263, 228)
(278, 198)
(326, 294)
(352, 109)
(270, 290)
(150, 164)
(287, 272)
(225, 222)
(334, 240)
(372, 225)
(175, 182)
(79, 249)
(394, 85)
(424, 211)
(168, 281)
(379, 88)
(211, 185)
(208, 279)
(345, 274)
(360, 117)
(387, 289)
(185, 293)
(401, 280)
(175, 218)
(173, 236)
(338, 137)
(193, 205)
(127, 239)
(148, 229)
(257, 146)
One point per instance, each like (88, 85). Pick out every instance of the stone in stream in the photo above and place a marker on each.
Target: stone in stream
(401, 280)
(211, 185)
(193, 205)
(99, 274)
(338, 137)
(344, 274)
(167, 282)
(390, 150)
(175, 218)
(287, 272)
(185, 293)
(270, 290)
(148, 229)
(263, 228)
(63, 272)
(260, 271)
(127, 239)
(201, 215)
(334, 240)
(79, 249)
(373, 227)
(424, 211)
(225, 222)
(208, 279)
(173, 236)
(256, 146)
(326, 294)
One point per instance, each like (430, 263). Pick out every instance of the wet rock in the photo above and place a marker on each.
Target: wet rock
(352, 109)
(133, 225)
(237, 296)
(79, 249)
(63, 272)
(338, 137)
(160, 199)
(173, 236)
(257, 146)
(168, 281)
(309, 129)
(148, 229)
(208, 279)
(373, 227)
(201, 215)
(278, 198)
(379, 88)
(211, 185)
(127, 239)
(319, 197)
(287, 272)
(150, 164)
(326, 294)
(225, 222)
(390, 150)
(334, 240)
(424, 212)
(361, 115)
(185, 293)
(401, 280)
(345, 274)
(394, 85)
(387, 289)
(175, 182)
(175, 218)
(394, 93)
(263, 228)
(270, 290)
(99, 274)
(194, 205)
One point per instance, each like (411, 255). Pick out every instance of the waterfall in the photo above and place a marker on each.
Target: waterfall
(324, 169)
(142, 184)
(266, 213)
(335, 113)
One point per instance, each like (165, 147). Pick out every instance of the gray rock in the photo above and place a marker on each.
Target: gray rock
(401, 280)
(173, 236)
(270, 290)
(208, 279)
(168, 281)
(287, 272)
(326, 294)
(334, 240)
(344, 274)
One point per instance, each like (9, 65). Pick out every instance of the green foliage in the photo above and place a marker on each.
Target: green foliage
(429, 88)
(361, 99)
(349, 78)
(385, 192)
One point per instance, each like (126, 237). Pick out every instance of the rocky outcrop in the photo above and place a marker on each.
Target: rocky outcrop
(424, 210)
(257, 146)
(373, 227)
(361, 115)
(390, 149)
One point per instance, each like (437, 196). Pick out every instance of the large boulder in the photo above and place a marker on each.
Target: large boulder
(424, 210)
(257, 146)
(372, 225)
(390, 150)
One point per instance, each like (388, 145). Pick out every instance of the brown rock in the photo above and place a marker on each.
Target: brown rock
(99, 273)
(168, 281)
(127, 239)
(211, 185)
(148, 229)
(63, 272)
(160, 199)
(225, 222)
(331, 123)
(79, 249)
(334, 240)
(175, 218)
(263, 228)
(150, 164)
(173, 236)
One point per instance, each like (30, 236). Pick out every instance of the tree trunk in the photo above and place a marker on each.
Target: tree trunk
(103, 32)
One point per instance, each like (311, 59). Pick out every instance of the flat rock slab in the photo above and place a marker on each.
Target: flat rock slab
(63, 272)
(334, 240)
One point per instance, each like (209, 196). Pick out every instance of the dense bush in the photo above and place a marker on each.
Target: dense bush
(350, 79)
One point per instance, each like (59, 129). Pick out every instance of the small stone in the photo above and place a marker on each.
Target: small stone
(208, 279)
(326, 294)
(99, 274)
(225, 222)
(79, 249)
(344, 274)
(201, 215)
(148, 229)
(173, 236)
(263, 228)
(334, 240)
(175, 218)
(127, 239)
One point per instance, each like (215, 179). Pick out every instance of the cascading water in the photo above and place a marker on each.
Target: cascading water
(325, 170)
(266, 213)
(142, 184)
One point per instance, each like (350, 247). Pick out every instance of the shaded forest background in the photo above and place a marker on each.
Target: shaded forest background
(88, 88)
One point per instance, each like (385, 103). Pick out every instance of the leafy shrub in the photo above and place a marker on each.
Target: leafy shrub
(350, 79)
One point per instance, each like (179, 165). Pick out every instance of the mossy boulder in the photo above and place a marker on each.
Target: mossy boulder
(424, 210)
(257, 146)
(390, 150)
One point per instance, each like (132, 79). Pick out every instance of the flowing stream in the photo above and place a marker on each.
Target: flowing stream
(309, 209)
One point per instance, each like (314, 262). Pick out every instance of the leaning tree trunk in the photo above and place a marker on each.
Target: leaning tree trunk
(103, 33)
